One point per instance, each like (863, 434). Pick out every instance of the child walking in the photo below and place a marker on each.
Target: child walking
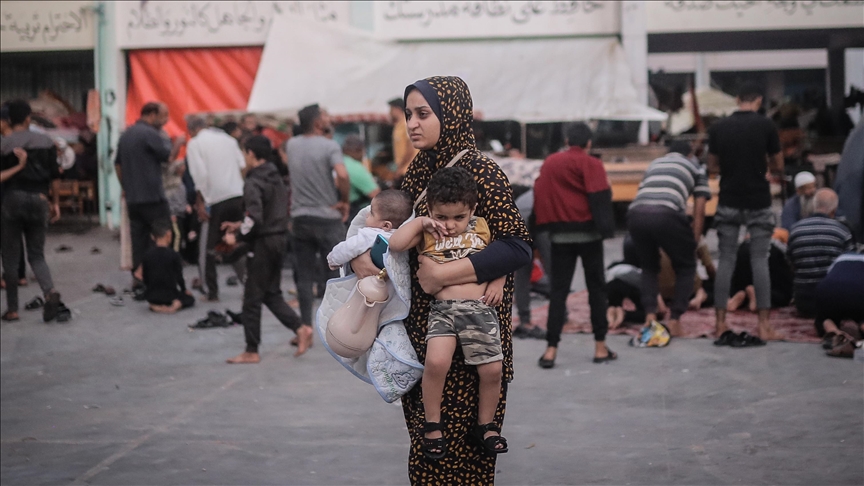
(162, 273)
(389, 209)
(461, 314)
(265, 229)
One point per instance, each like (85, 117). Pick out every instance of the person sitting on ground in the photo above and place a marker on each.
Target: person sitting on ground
(814, 244)
(389, 210)
(701, 287)
(162, 273)
(461, 314)
(778, 270)
(264, 228)
(799, 206)
(839, 298)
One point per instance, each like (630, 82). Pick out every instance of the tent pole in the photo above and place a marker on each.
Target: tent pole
(523, 138)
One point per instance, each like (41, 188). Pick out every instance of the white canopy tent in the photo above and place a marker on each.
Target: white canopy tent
(528, 80)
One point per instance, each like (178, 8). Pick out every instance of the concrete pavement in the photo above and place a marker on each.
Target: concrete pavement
(124, 397)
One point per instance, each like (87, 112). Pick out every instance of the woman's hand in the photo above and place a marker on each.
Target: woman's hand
(363, 266)
(430, 275)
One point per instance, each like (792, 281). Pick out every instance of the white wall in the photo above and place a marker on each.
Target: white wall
(688, 62)
(47, 26)
(854, 76)
(160, 24)
(727, 15)
(412, 20)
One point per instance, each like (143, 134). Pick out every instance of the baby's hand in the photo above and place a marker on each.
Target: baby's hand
(494, 292)
(433, 227)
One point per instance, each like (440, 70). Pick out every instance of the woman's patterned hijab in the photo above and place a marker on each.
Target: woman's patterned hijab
(450, 100)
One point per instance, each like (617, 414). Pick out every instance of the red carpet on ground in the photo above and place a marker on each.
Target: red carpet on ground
(696, 324)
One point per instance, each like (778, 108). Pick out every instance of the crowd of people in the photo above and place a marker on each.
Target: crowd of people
(246, 197)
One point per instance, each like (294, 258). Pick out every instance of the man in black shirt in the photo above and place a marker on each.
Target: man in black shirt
(25, 208)
(742, 148)
(141, 151)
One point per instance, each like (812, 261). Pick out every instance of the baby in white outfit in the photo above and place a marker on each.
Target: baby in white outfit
(389, 209)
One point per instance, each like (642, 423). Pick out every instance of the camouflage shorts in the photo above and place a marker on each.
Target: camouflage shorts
(473, 323)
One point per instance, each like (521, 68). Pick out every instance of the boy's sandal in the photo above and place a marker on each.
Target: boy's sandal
(491, 443)
(9, 317)
(434, 448)
(34, 304)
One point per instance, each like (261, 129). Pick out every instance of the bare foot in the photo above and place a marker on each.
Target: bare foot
(735, 301)
(767, 333)
(23, 282)
(167, 309)
(615, 316)
(697, 300)
(304, 339)
(675, 327)
(206, 298)
(245, 358)
(720, 328)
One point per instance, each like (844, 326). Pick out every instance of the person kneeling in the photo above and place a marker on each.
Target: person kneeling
(162, 273)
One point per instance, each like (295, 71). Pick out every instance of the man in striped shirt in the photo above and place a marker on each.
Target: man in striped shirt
(814, 244)
(657, 219)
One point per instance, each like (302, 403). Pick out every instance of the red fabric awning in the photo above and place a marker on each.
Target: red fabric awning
(191, 81)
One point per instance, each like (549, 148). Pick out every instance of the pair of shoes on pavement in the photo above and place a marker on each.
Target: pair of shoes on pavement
(214, 319)
(742, 340)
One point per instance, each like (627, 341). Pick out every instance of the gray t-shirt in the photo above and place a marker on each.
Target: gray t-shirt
(311, 160)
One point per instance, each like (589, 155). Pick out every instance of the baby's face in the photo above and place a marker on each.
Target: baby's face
(454, 216)
(372, 219)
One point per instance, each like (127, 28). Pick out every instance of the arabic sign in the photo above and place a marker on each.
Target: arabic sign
(157, 24)
(408, 20)
(46, 26)
(728, 15)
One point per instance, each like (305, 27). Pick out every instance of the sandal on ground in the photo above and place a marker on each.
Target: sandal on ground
(52, 306)
(34, 304)
(746, 340)
(8, 317)
(828, 340)
(845, 348)
(491, 443)
(546, 363)
(611, 356)
(726, 339)
(64, 314)
(214, 319)
(434, 448)
(99, 288)
(117, 301)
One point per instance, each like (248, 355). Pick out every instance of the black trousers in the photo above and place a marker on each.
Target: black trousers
(263, 280)
(656, 227)
(142, 217)
(24, 221)
(314, 238)
(228, 210)
(564, 258)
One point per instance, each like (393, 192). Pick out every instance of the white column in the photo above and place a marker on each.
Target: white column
(110, 64)
(703, 72)
(634, 38)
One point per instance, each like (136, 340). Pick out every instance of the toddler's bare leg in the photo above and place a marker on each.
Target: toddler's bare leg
(439, 355)
(490, 391)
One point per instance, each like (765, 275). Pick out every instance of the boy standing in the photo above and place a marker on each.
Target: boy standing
(461, 314)
(162, 273)
(264, 228)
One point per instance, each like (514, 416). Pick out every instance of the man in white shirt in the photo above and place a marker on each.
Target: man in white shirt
(215, 163)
